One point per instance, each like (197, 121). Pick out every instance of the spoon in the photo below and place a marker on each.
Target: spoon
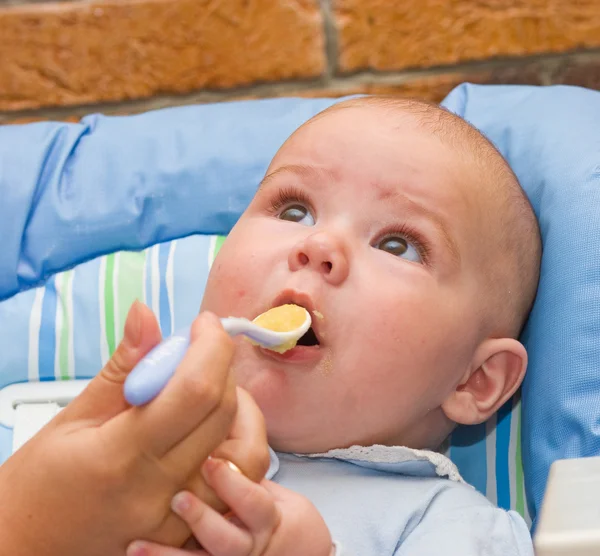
(278, 329)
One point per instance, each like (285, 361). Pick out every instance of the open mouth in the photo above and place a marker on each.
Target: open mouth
(309, 338)
(312, 336)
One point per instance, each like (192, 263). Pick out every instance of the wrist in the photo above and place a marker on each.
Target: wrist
(15, 538)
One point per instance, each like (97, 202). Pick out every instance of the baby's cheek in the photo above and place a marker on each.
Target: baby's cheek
(221, 285)
(226, 292)
(240, 293)
(226, 270)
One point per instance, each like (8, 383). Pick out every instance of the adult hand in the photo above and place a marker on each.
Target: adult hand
(103, 473)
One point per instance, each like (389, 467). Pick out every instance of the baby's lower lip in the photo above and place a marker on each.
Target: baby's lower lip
(299, 354)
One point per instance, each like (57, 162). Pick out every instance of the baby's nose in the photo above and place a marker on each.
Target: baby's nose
(322, 253)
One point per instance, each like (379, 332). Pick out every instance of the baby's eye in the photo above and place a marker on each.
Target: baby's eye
(299, 214)
(400, 247)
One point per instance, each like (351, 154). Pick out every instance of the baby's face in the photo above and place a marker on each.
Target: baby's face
(373, 225)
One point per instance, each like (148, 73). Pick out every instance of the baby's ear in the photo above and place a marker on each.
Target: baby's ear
(496, 372)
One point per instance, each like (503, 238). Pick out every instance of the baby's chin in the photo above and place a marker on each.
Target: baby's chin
(291, 426)
(256, 376)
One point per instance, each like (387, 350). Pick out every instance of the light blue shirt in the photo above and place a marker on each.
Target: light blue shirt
(381, 501)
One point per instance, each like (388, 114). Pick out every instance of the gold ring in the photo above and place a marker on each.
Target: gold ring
(229, 463)
(233, 466)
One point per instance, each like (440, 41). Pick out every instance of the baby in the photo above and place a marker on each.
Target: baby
(407, 236)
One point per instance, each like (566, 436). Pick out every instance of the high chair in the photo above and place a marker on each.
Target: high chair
(112, 209)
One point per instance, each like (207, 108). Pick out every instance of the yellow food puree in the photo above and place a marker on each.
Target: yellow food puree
(284, 318)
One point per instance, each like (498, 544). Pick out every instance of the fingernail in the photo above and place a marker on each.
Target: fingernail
(137, 548)
(203, 321)
(209, 467)
(181, 502)
(133, 325)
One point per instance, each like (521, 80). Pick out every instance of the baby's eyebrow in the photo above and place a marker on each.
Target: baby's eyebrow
(432, 216)
(302, 172)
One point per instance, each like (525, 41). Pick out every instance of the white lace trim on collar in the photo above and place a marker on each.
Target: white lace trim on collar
(444, 467)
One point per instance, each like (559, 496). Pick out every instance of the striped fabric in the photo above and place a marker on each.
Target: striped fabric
(70, 327)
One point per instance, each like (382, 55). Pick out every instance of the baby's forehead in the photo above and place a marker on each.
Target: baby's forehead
(388, 144)
(405, 118)
(363, 141)
(439, 135)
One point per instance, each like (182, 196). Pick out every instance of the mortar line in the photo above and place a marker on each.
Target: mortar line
(331, 38)
(281, 88)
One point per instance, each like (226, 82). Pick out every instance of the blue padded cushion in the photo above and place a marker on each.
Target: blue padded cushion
(551, 137)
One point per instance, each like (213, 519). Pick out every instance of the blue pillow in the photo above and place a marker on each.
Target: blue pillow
(551, 138)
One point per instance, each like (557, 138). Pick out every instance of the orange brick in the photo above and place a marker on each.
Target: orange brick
(388, 35)
(86, 52)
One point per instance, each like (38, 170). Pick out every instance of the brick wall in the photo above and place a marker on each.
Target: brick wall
(61, 60)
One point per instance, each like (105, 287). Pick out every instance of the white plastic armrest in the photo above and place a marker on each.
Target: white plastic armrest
(569, 520)
(26, 407)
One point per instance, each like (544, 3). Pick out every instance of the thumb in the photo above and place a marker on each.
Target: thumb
(103, 398)
(279, 493)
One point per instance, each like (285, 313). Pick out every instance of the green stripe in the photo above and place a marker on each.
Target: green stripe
(63, 354)
(109, 304)
(130, 277)
(520, 485)
(218, 244)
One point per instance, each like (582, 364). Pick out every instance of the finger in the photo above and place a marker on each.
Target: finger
(279, 493)
(250, 502)
(103, 398)
(246, 447)
(247, 444)
(198, 486)
(201, 385)
(197, 388)
(144, 548)
(186, 458)
(216, 534)
(149, 548)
